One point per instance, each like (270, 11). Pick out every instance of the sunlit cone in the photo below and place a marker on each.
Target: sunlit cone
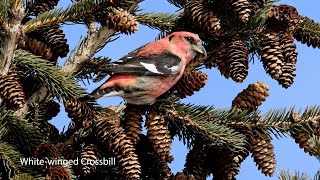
(195, 166)
(48, 151)
(217, 57)
(36, 47)
(117, 142)
(53, 108)
(122, 21)
(251, 97)
(271, 54)
(41, 6)
(132, 122)
(90, 153)
(263, 155)
(237, 60)
(55, 38)
(242, 9)
(57, 173)
(189, 83)
(12, 91)
(80, 112)
(289, 18)
(159, 136)
(201, 17)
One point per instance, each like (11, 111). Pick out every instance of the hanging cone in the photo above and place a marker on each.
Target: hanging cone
(263, 155)
(189, 83)
(55, 38)
(289, 18)
(41, 6)
(195, 166)
(290, 55)
(237, 61)
(151, 166)
(242, 9)
(304, 139)
(181, 176)
(53, 108)
(36, 47)
(201, 17)
(122, 21)
(159, 136)
(57, 172)
(217, 57)
(46, 151)
(90, 153)
(251, 97)
(133, 123)
(271, 54)
(12, 91)
(116, 141)
(81, 113)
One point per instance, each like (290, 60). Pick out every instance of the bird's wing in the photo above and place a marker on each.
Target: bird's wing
(164, 64)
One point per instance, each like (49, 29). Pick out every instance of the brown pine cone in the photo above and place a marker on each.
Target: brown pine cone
(251, 97)
(12, 91)
(133, 122)
(263, 155)
(116, 141)
(55, 38)
(46, 151)
(41, 6)
(201, 17)
(242, 9)
(121, 20)
(237, 60)
(271, 54)
(181, 176)
(90, 153)
(195, 166)
(53, 108)
(80, 112)
(36, 47)
(159, 136)
(189, 83)
(304, 139)
(57, 173)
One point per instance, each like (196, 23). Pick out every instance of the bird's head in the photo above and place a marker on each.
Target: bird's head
(186, 42)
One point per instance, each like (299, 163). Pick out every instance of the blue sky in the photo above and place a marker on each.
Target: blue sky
(220, 91)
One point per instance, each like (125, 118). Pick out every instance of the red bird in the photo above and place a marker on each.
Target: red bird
(151, 70)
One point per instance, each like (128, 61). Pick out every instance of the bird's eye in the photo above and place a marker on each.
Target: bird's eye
(190, 39)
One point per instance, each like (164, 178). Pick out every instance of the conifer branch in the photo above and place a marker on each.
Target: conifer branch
(159, 21)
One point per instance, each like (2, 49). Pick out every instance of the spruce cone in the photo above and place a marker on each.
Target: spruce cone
(263, 155)
(90, 153)
(12, 91)
(53, 108)
(271, 54)
(132, 123)
(56, 40)
(46, 151)
(306, 35)
(57, 173)
(195, 166)
(201, 17)
(122, 21)
(242, 9)
(181, 176)
(189, 83)
(116, 141)
(237, 61)
(36, 47)
(41, 6)
(251, 97)
(290, 54)
(159, 136)
(81, 113)
(304, 139)
(289, 17)
(217, 57)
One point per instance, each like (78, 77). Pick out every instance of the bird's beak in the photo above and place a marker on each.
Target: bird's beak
(200, 49)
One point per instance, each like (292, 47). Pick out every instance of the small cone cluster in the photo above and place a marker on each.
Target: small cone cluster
(90, 153)
(237, 60)
(11, 90)
(251, 97)
(271, 54)
(132, 123)
(217, 57)
(57, 172)
(121, 20)
(201, 17)
(117, 142)
(36, 47)
(48, 151)
(195, 166)
(189, 83)
(80, 112)
(263, 155)
(41, 6)
(159, 136)
(290, 55)
(53, 108)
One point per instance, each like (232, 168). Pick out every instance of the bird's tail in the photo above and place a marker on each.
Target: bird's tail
(106, 92)
(104, 71)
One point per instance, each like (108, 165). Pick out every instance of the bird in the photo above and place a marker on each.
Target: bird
(149, 71)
